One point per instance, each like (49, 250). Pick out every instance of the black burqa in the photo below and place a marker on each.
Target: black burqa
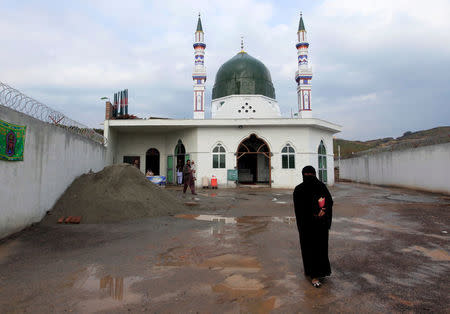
(313, 230)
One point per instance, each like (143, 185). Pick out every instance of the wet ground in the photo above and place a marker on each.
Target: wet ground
(238, 251)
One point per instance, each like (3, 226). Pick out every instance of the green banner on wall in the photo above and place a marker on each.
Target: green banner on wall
(12, 141)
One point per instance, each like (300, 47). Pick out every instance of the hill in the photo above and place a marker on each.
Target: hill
(408, 139)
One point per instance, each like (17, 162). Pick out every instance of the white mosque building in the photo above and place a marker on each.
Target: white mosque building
(246, 134)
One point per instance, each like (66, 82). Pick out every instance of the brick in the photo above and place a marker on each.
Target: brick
(76, 220)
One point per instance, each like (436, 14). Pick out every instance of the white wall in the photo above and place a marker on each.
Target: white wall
(53, 158)
(200, 141)
(305, 141)
(230, 107)
(137, 144)
(426, 168)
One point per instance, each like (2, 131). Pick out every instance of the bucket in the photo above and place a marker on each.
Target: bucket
(214, 182)
(205, 182)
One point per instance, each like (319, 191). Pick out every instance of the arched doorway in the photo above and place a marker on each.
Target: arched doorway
(322, 153)
(253, 161)
(152, 161)
(180, 154)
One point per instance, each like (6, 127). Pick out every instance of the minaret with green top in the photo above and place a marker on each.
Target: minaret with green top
(199, 73)
(303, 75)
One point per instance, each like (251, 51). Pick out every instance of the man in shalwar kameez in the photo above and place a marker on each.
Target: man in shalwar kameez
(313, 211)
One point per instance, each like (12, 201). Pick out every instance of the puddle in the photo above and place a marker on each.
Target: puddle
(215, 218)
(238, 285)
(412, 198)
(385, 226)
(286, 219)
(435, 254)
(248, 292)
(233, 262)
(106, 292)
(186, 216)
(241, 219)
(212, 218)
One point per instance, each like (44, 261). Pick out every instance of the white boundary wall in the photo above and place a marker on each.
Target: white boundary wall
(53, 158)
(425, 168)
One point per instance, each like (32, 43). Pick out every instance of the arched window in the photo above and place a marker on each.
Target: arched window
(218, 156)
(288, 157)
(179, 149)
(322, 152)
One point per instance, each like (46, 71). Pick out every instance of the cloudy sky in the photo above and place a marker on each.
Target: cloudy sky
(380, 67)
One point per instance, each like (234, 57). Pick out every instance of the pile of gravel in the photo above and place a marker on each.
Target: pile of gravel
(117, 193)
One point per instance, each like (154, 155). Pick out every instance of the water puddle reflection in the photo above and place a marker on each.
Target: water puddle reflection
(241, 219)
(106, 292)
(412, 198)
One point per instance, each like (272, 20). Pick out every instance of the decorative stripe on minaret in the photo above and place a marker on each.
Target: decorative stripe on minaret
(199, 73)
(303, 74)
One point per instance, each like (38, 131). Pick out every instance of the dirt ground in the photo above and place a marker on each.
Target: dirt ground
(237, 251)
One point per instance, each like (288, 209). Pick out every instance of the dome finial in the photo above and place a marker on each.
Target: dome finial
(242, 44)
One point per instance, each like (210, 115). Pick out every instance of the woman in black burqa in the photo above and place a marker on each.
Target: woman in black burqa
(313, 223)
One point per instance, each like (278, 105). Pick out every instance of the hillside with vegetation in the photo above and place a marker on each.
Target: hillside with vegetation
(407, 140)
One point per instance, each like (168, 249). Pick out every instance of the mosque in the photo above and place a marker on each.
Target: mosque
(246, 141)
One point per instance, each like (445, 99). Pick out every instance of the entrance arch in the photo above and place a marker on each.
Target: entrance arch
(152, 161)
(180, 154)
(253, 161)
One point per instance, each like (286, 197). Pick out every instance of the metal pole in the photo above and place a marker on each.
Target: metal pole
(339, 157)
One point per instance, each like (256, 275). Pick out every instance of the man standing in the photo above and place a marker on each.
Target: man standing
(188, 178)
(194, 170)
(313, 211)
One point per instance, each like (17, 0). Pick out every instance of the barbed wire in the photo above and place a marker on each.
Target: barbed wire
(14, 99)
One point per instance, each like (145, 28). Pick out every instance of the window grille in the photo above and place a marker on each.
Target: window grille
(218, 156)
(288, 157)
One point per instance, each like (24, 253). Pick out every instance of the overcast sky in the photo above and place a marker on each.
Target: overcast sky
(380, 68)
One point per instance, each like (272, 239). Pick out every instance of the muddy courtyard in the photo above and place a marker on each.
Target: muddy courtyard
(237, 250)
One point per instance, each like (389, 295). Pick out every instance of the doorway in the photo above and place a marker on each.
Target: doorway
(180, 155)
(152, 161)
(176, 161)
(253, 161)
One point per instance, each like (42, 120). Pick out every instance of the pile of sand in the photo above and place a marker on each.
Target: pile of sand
(117, 193)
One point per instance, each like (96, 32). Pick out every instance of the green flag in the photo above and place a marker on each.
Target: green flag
(12, 141)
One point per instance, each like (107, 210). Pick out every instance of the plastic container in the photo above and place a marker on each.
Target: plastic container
(205, 182)
(214, 182)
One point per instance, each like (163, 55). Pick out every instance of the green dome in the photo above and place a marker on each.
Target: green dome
(243, 74)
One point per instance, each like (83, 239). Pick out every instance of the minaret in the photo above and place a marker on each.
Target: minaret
(303, 75)
(199, 74)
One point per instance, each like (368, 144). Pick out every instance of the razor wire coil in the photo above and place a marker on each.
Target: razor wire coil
(14, 99)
